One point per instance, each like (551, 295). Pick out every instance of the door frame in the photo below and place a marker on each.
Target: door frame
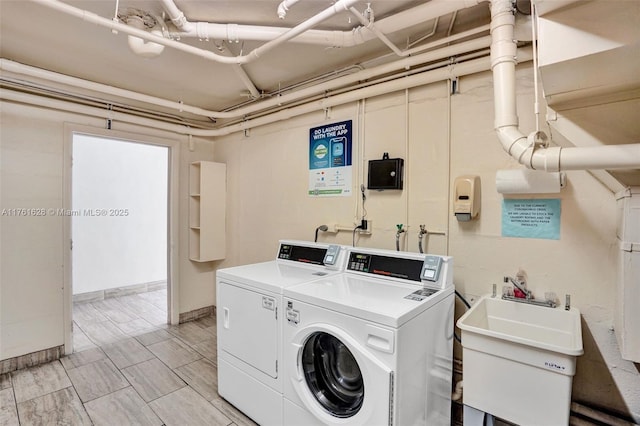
(173, 312)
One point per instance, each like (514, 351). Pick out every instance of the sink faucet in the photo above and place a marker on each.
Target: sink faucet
(520, 285)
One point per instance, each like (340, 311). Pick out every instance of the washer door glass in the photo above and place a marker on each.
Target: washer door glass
(332, 374)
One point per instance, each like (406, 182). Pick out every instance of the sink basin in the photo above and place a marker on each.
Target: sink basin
(519, 359)
(552, 329)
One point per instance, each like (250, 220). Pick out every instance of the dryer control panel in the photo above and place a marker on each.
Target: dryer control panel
(388, 266)
(424, 268)
(431, 268)
(302, 254)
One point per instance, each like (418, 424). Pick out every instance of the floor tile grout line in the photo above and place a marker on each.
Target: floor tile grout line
(15, 399)
(172, 331)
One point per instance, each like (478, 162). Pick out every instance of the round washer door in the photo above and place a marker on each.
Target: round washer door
(332, 374)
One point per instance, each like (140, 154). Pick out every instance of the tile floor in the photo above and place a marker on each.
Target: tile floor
(128, 368)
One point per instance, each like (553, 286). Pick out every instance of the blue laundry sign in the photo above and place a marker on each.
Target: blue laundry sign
(531, 218)
(330, 150)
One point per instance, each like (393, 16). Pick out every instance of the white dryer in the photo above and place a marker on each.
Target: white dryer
(249, 324)
(372, 346)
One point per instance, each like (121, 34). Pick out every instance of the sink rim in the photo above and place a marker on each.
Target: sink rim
(575, 349)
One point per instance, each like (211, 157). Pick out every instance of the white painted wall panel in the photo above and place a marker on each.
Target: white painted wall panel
(128, 246)
(31, 310)
(32, 248)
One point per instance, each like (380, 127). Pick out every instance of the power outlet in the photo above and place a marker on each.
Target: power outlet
(471, 298)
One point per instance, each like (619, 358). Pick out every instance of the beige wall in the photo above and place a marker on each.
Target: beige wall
(268, 179)
(440, 137)
(32, 249)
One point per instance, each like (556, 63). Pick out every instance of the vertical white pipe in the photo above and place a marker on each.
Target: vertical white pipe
(177, 16)
(554, 159)
(407, 165)
(534, 38)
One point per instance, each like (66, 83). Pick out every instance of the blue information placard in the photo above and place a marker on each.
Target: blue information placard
(330, 150)
(537, 218)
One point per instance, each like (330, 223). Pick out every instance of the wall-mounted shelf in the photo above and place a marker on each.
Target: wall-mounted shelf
(207, 211)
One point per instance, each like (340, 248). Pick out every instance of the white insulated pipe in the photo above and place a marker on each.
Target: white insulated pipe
(141, 47)
(339, 6)
(440, 74)
(521, 147)
(284, 6)
(180, 21)
(177, 16)
(239, 32)
(144, 48)
(7, 65)
(236, 32)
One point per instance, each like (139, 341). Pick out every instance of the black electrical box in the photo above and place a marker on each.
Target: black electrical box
(385, 173)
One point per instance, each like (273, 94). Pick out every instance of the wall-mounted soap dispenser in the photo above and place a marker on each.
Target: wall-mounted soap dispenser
(466, 201)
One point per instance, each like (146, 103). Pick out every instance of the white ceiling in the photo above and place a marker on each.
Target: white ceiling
(39, 36)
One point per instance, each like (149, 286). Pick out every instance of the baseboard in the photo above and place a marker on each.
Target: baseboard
(31, 360)
(96, 296)
(197, 314)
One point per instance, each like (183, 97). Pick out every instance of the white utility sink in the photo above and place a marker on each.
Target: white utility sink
(519, 360)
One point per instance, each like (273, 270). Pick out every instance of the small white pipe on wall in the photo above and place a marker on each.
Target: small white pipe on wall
(528, 150)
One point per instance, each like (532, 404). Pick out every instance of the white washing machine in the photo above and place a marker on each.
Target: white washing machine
(371, 346)
(249, 324)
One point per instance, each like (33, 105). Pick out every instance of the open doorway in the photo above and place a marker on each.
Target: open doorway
(119, 228)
